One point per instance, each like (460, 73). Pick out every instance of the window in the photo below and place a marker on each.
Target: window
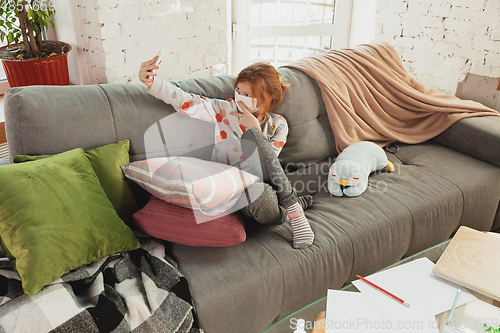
(283, 31)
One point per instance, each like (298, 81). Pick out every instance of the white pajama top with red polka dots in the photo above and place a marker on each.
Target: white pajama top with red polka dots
(228, 131)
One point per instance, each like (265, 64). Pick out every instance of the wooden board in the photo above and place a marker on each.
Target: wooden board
(3, 138)
(472, 259)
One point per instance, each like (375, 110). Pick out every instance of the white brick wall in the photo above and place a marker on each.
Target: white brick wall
(119, 35)
(94, 60)
(440, 41)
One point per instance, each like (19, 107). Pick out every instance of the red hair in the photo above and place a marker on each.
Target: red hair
(266, 84)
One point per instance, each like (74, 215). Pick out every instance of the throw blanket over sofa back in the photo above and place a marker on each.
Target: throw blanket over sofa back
(369, 96)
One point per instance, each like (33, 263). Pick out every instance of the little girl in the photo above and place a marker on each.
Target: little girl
(241, 126)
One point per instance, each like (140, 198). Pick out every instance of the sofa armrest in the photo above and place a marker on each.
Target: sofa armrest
(4, 161)
(478, 137)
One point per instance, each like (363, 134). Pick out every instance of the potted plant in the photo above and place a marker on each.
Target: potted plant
(33, 61)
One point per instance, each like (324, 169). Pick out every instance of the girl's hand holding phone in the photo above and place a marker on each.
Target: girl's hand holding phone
(146, 71)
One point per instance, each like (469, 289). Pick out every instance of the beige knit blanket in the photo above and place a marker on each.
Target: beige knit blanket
(369, 96)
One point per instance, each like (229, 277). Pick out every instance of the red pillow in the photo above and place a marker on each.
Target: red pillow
(178, 224)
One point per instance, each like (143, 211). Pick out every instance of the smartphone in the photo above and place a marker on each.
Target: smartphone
(160, 53)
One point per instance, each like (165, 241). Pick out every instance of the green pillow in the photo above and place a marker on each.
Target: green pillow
(106, 161)
(55, 217)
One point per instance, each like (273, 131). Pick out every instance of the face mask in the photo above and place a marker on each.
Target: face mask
(249, 102)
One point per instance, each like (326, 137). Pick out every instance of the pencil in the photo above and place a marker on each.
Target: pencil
(394, 297)
(453, 306)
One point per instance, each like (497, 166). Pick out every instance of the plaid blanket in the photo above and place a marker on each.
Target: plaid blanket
(137, 291)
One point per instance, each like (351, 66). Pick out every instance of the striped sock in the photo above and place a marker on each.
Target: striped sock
(303, 236)
(305, 201)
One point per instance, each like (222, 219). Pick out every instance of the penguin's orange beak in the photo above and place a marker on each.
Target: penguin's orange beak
(344, 182)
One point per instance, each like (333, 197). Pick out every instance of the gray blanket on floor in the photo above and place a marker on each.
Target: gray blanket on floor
(137, 291)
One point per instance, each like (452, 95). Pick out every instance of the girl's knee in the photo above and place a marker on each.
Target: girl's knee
(264, 207)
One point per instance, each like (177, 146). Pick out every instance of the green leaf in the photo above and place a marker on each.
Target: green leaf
(10, 37)
(52, 24)
(2, 36)
(488, 328)
(8, 24)
(36, 28)
(30, 12)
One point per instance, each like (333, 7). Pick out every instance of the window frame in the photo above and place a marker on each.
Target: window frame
(243, 31)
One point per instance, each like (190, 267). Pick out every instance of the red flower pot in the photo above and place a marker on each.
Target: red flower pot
(51, 71)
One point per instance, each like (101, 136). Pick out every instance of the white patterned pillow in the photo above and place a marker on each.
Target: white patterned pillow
(210, 187)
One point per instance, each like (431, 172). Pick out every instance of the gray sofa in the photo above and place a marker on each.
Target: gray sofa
(438, 185)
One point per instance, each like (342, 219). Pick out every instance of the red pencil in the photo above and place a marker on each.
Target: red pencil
(396, 298)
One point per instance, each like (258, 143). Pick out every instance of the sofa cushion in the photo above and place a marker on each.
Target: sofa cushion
(473, 183)
(210, 187)
(181, 225)
(106, 161)
(310, 137)
(234, 289)
(98, 115)
(311, 179)
(352, 236)
(476, 136)
(83, 121)
(55, 217)
(157, 130)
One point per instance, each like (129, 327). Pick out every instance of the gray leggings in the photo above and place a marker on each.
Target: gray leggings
(270, 197)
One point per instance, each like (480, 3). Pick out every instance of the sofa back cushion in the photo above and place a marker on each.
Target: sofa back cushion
(53, 119)
(46, 120)
(310, 137)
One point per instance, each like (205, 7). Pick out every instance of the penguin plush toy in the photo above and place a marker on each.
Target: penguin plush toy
(349, 173)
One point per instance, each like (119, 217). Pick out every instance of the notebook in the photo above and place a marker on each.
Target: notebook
(472, 259)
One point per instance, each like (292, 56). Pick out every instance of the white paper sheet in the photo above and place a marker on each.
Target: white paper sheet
(415, 283)
(351, 312)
